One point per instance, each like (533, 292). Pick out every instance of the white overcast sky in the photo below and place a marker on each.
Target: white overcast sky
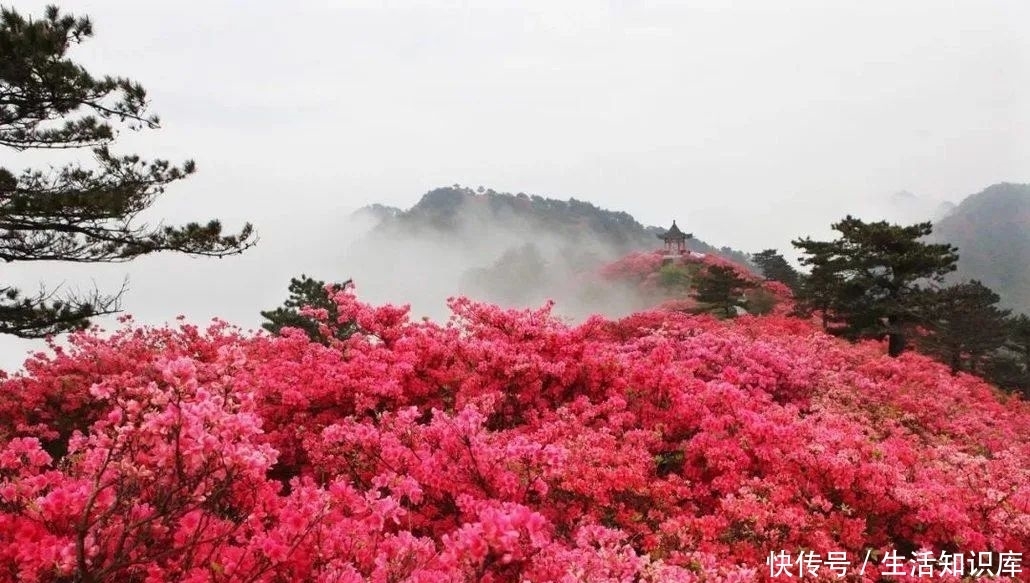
(751, 122)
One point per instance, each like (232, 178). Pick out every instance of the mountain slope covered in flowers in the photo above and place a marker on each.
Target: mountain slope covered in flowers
(503, 446)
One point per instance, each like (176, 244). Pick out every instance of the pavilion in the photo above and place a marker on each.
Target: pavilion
(675, 240)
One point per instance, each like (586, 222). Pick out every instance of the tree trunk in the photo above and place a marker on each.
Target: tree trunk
(895, 343)
(975, 360)
(895, 337)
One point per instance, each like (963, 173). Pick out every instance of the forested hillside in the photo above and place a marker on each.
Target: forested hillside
(992, 232)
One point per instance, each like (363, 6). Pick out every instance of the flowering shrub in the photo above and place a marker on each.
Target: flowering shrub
(502, 446)
(634, 266)
(665, 282)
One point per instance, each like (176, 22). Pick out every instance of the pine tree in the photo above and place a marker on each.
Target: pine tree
(309, 293)
(817, 292)
(775, 267)
(1009, 367)
(870, 282)
(77, 212)
(966, 325)
(721, 289)
(1018, 337)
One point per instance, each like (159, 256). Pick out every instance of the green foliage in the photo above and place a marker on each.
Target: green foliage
(720, 289)
(966, 323)
(868, 283)
(40, 85)
(74, 212)
(775, 267)
(1018, 338)
(43, 314)
(314, 294)
(1009, 366)
(759, 301)
(674, 278)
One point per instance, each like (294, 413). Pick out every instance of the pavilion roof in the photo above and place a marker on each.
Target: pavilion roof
(674, 234)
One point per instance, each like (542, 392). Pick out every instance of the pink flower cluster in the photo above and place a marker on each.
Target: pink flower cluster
(636, 266)
(504, 446)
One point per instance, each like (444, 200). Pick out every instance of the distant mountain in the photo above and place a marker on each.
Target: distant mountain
(992, 232)
(457, 208)
(512, 249)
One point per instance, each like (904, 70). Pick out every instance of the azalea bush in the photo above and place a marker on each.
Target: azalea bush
(668, 282)
(501, 446)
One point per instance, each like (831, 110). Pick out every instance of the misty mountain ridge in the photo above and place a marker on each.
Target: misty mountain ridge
(458, 208)
(516, 250)
(992, 232)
